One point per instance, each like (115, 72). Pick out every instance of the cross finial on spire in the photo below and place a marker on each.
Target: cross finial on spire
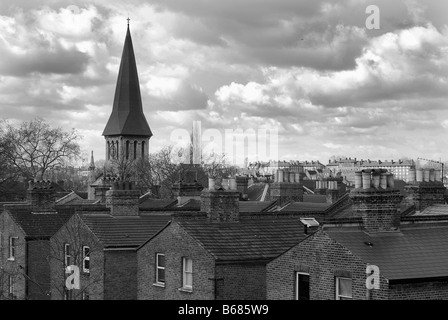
(128, 21)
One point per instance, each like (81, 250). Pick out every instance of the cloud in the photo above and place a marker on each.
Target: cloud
(309, 68)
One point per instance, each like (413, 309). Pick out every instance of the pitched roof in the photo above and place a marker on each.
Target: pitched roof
(435, 209)
(150, 203)
(255, 191)
(190, 204)
(305, 207)
(125, 231)
(127, 117)
(261, 238)
(37, 225)
(314, 198)
(255, 206)
(416, 251)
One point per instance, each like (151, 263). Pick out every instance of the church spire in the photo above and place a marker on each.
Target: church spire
(127, 117)
(92, 162)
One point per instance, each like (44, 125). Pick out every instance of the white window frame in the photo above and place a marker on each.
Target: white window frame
(67, 255)
(338, 295)
(85, 258)
(159, 268)
(11, 285)
(297, 283)
(12, 248)
(85, 295)
(185, 272)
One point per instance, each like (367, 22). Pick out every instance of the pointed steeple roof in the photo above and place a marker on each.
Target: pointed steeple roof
(92, 162)
(127, 116)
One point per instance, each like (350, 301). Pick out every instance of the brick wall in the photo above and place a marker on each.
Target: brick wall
(220, 205)
(425, 194)
(38, 270)
(286, 191)
(123, 202)
(77, 235)
(120, 275)
(41, 195)
(379, 209)
(175, 243)
(8, 228)
(241, 281)
(324, 259)
(437, 290)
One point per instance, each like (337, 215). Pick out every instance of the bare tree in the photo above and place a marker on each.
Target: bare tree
(36, 147)
(7, 171)
(73, 244)
(158, 169)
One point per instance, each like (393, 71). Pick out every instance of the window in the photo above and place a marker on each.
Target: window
(127, 149)
(160, 268)
(187, 275)
(302, 286)
(12, 247)
(67, 256)
(143, 149)
(85, 295)
(86, 259)
(135, 149)
(11, 286)
(343, 288)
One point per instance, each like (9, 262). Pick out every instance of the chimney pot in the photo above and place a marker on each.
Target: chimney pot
(211, 184)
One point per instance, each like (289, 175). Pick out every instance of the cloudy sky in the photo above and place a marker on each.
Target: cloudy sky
(309, 68)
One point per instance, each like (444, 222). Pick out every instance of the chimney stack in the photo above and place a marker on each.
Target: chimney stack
(332, 191)
(41, 195)
(155, 190)
(122, 199)
(286, 188)
(242, 183)
(221, 205)
(425, 190)
(377, 201)
(188, 187)
(321, 187)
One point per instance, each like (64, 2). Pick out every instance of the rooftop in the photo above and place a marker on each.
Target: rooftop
(124, 231)
(39, 225)
(417, 251)
(261, 238)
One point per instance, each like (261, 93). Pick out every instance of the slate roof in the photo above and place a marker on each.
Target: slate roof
(255, 206)
(39, 225)
(124, 231)
(416, 251)
(261, 239)
(127, 117)
(255, 191)
(314, 198)
(82, 194)
(435, 209)
(190, 204)
(305, 207)
(157, 203)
